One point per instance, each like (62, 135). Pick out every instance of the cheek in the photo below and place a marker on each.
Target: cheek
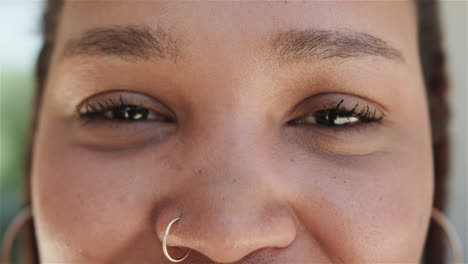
(369, 209)
(78, 192)
(372, 208)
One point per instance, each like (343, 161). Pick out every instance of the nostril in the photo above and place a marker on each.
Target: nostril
(224, 237)
(179, 254)
(236, 247)
(226, 231)
(258, 256)
(165, 250)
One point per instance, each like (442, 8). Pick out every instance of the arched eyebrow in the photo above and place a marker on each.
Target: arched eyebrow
(128, 42)
(316, 44)
(142, 42)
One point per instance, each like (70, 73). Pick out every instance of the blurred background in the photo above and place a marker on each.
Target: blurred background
(19, 45)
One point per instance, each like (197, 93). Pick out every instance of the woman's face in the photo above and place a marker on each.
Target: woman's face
(280, 132)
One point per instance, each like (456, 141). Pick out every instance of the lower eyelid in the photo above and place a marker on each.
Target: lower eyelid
(362, 139)
(337, 132)
(122, 135)
(351, 131)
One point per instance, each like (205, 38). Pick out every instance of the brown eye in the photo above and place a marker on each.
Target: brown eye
(132, 113)
(122, 119)
(120, 111)
(332, 118)
(337, 117)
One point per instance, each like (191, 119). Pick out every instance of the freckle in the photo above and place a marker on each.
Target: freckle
(344, 181)
(292, 160)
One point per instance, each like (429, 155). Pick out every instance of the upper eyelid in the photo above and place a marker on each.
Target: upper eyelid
(109, 103)
(99, 107)
(127, 95)
(306, 106)
(302, 105)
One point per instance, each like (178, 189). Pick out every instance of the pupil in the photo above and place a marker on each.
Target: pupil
(328, 117)
(130, 113)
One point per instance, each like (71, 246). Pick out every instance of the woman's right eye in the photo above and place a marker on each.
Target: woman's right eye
(125, 112)
(120, 119)
(120, 111)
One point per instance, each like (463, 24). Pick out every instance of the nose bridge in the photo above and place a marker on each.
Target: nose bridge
(230, 207)
(233, 156)
(226, 133)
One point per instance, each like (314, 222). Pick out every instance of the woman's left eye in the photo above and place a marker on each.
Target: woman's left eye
(337, 117)
(332, 118)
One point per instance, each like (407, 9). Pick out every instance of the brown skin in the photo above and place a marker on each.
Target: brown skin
(250, 188)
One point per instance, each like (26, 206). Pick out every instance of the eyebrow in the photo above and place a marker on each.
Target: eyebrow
(145, 43)
(128, 42)
(314, 44)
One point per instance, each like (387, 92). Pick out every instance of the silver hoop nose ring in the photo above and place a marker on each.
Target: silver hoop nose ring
(165, 246)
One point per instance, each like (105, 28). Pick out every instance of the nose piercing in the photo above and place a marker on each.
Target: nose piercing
(165, 246)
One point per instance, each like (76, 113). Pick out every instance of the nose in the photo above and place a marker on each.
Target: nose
(229, 209)
(228, 234)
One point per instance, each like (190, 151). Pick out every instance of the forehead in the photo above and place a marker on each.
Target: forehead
(243, 27)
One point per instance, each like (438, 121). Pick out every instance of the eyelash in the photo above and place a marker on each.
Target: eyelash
(110, 107)
(331, 115)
